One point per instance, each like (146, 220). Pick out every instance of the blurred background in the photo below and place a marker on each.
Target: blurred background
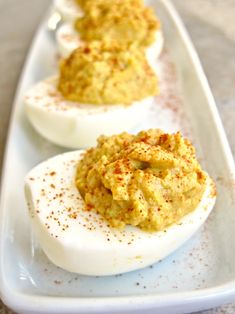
(210, 24)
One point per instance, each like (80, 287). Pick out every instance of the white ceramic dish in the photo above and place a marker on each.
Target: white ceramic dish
(200, 275)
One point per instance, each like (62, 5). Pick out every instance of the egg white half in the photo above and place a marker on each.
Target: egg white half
(154, 51)
(76, 125)
(68, 39)
(81, 241)
(68, 9)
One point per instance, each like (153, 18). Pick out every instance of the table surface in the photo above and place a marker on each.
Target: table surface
(211, 28)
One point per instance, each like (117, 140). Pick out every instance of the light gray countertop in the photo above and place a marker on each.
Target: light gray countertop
(210, 24)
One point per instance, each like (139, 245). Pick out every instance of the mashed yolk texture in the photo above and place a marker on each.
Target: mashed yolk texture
(100, 73)
(149, 180)
(126, 22)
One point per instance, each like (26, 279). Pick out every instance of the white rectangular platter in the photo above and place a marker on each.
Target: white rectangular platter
(199, 275)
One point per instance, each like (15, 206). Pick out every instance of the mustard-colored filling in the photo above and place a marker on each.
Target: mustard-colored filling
(126, 22)
(149, 180)
(88, 5)
(101, 73)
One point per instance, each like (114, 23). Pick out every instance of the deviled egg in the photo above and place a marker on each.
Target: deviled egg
(143, 198)
(102, 89)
